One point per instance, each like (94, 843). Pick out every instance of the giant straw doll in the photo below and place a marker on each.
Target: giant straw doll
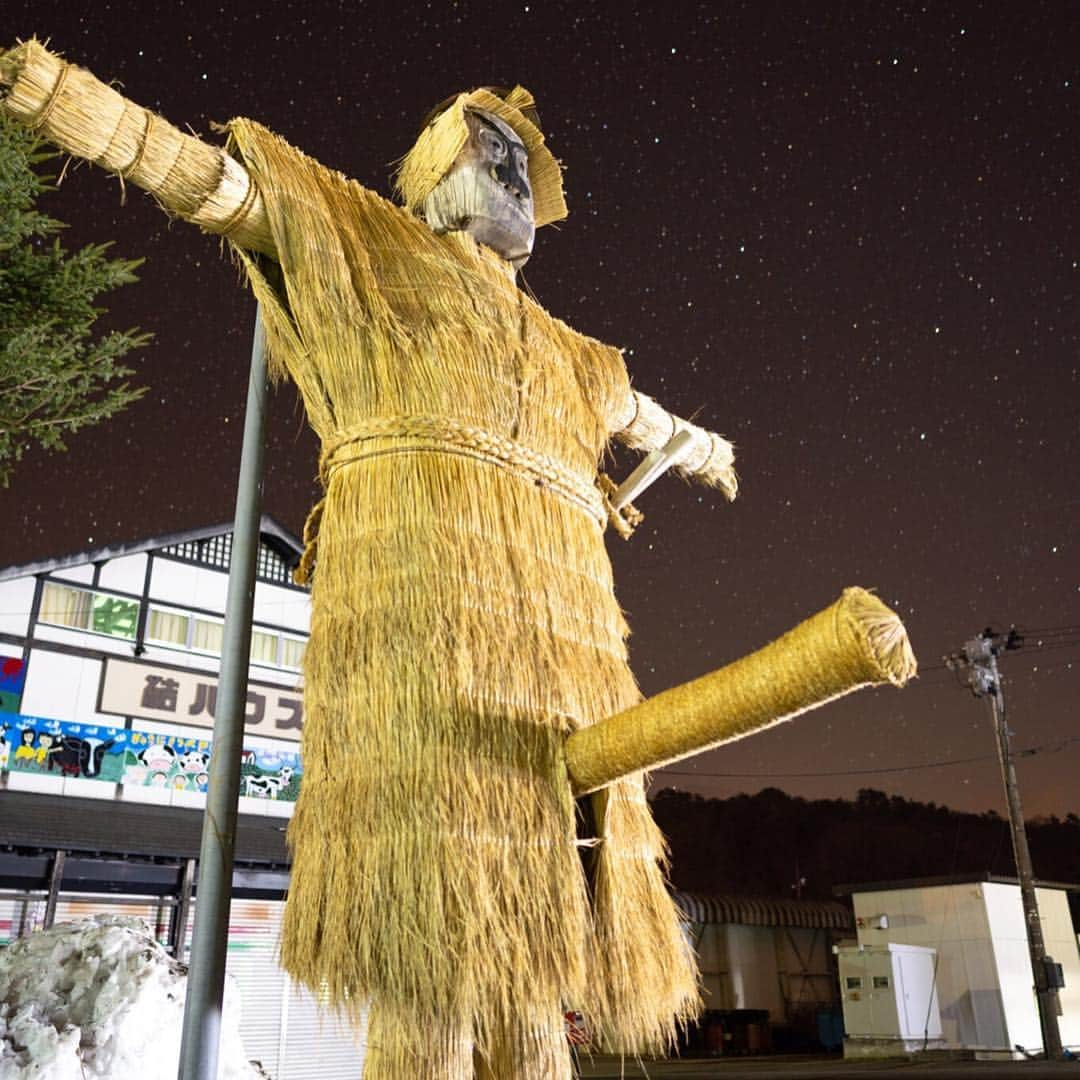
(463, 616)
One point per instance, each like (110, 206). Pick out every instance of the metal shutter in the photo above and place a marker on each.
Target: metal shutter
(19, 916)
(252, 961)
(281, 1023)
(153, 913)
(319, 1044)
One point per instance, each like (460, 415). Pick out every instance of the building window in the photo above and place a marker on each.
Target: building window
(167, 627)
(164, 627)
(216, 552)
(272, 567)
(292, 652)
(277, 650)
(264, 648)
(206, 635)
(853, 982)
(82, 609)
(881, 982)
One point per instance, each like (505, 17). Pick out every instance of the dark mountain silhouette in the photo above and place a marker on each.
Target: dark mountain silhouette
(765, 843)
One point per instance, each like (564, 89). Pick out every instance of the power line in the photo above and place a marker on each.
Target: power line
(837, 772)
(1055, 747)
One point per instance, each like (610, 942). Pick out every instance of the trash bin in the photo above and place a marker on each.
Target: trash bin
(830, 1028)
(714, 1035)
(746, 1031)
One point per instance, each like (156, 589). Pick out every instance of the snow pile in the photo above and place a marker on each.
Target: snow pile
(100, 998)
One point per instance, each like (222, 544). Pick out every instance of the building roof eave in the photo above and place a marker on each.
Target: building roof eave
(764, 911)
(973, 878)
(286, 542)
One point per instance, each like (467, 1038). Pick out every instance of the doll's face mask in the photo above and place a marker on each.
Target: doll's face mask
(486, 193)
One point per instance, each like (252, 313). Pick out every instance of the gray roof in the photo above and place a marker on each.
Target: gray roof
(765, 911)
(270, 531)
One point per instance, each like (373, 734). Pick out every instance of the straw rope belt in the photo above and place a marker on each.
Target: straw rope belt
(442, 435)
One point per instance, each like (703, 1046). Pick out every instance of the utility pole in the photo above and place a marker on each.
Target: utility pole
(979, 658)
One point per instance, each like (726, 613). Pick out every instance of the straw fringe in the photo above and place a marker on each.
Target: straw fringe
(463, 623)
(641, 995)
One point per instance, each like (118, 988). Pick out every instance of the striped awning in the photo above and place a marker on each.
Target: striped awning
(765, 911)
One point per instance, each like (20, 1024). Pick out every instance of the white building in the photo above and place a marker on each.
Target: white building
(890, 1000)
(108, 678)
(124, 645)
(981, 969)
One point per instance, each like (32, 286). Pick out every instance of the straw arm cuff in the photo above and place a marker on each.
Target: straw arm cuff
(646, 425)
(81, 115)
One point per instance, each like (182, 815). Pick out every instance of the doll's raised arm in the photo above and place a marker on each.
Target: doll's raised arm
(709, 459)
(77, 112)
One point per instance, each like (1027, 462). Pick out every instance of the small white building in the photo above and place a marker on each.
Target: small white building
(890, 999)
(109, 663)
(980, 970)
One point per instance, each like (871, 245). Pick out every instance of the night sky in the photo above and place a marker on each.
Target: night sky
(843, 235)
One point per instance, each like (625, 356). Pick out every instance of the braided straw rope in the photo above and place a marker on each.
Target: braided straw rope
(856, 642)
(443, 435)
(83, 116)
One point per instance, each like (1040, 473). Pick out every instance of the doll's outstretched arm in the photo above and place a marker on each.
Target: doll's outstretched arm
(77, 112)
(709, 459)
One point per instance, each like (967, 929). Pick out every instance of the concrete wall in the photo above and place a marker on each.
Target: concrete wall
(782, 969)
(951, 919)
(984, 975)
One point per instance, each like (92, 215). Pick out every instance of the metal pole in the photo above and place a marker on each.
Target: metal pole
(56, 876)
(180, 913)
(1045, 995)
(206, 976)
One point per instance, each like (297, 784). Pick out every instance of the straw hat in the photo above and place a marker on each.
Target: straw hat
(446, 132)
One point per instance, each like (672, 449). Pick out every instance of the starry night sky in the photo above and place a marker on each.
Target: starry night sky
(842, 235)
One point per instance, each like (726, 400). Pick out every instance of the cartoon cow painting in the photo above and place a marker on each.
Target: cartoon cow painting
(268, 787)
(158, 757)
(81, 757)
(193, 762)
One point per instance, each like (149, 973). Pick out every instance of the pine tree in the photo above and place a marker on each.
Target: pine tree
(56, 375)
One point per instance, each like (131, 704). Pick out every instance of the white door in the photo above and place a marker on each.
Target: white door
(916, 996)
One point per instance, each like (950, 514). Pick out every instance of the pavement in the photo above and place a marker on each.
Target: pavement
(831, 1067)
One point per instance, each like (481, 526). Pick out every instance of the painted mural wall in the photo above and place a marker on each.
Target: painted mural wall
(113, 755)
